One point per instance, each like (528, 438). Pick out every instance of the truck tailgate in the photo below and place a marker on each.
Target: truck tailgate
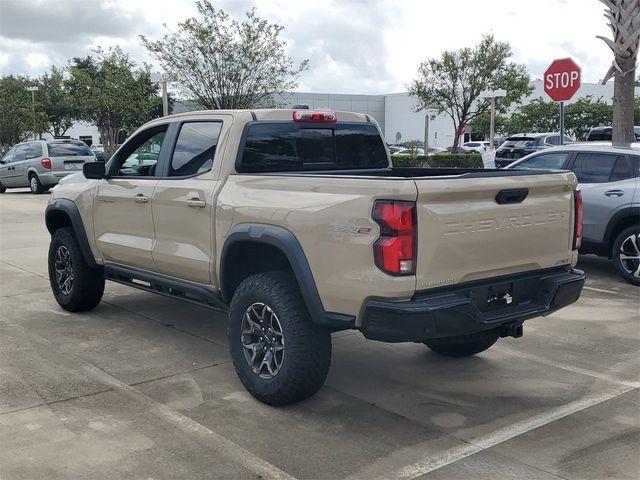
(466, 233)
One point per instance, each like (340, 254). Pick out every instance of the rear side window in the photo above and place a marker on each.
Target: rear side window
(195, 148)
(519, 142)
(69, 150)
(622, 169)
(594, 167)
(281, 147)
(35, 150)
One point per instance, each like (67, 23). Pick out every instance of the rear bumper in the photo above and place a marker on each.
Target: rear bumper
(500, 303)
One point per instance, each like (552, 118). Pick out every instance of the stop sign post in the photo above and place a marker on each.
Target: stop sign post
(561, 82)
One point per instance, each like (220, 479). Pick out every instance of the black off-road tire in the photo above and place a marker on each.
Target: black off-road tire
(35, 185)
(307, 352)
(630, 266)
(463, 345)
(88, 283)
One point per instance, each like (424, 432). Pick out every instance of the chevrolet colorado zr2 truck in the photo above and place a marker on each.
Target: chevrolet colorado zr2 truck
(296, 223)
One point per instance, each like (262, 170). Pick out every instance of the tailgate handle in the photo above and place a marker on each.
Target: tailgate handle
(513, 195)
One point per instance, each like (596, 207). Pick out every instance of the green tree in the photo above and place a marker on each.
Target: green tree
(584, 114)
(112, 93)
(481, 125)
(624, 20)
(537, 116)
(58, 104)
(452, 84)
(222, 63)
(18, 117)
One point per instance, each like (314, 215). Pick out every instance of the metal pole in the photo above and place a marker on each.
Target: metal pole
(426, 136)
(33, 112)
(561, 123)
(165, 100)
(492, 130)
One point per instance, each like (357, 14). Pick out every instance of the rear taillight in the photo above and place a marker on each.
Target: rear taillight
(314, 116)
(395, 250)
(579, 217)
(46, 163)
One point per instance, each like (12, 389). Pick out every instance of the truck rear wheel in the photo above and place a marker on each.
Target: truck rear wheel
(75, 285)
(463, 345)
(280, 356)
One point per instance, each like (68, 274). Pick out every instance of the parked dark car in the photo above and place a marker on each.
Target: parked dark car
(608, 179)
(519, 146)
(603, 134)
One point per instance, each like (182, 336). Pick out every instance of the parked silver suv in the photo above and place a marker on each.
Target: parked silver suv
(608, 178)
(40, 164)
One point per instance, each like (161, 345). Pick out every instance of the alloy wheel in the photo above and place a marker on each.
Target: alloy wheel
(263, 340)
(64, 270)
(629, 255)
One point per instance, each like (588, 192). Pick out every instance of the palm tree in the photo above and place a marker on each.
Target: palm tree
(624, 20)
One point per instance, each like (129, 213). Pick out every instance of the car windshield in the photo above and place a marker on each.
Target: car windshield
(69, 150)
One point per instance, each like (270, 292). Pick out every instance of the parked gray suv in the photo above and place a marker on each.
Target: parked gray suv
(40, 164)
(608, 178)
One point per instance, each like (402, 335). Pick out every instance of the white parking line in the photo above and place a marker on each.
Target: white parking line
(221, 444)
(475, 445)
(216, 441)
(612, 292)
(571, 368)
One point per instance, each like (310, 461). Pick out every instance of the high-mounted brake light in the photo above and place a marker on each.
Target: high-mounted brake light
(46, 163)
(314, 116)
(579, 217)
(395, 250)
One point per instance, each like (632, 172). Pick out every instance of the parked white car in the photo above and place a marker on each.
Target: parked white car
(479, 147)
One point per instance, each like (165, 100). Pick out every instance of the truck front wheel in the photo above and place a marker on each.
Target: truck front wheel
(75, 285)
(463, 345)
(280, 356)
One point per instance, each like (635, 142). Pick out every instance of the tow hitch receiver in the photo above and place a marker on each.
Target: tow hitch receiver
(514, 331)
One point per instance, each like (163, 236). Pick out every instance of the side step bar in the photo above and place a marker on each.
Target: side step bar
(167, 287)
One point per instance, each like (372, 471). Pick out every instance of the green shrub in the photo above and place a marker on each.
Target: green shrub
(442, 160)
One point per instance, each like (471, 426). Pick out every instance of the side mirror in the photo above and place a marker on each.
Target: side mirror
(94, 170)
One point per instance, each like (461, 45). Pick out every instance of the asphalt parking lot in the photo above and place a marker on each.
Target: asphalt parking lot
(143, 387)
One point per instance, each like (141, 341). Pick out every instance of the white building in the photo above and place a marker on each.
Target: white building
(394, 112)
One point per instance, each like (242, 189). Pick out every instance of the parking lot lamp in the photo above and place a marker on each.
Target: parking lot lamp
(33, 91)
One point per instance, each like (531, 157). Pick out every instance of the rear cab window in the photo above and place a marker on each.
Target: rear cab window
(284, 146)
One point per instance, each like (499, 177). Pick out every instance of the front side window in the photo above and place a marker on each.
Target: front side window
(195, 148)
(140, 157)
(281, 147)
(8, 157)
(35, 150)
(547, 161)
(594, 167)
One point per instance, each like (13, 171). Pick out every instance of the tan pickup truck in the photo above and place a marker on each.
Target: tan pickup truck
(298, 225)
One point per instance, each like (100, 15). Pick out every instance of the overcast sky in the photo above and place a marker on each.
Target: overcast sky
(354, 46)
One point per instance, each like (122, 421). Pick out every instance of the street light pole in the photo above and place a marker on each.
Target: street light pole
(426, 136)
(33, 91)
(165, 99)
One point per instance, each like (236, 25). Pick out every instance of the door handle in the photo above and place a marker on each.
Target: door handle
(612, 193)
(140, 198)
(196, 203)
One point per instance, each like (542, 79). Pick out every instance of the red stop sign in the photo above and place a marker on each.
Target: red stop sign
(562, 79)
